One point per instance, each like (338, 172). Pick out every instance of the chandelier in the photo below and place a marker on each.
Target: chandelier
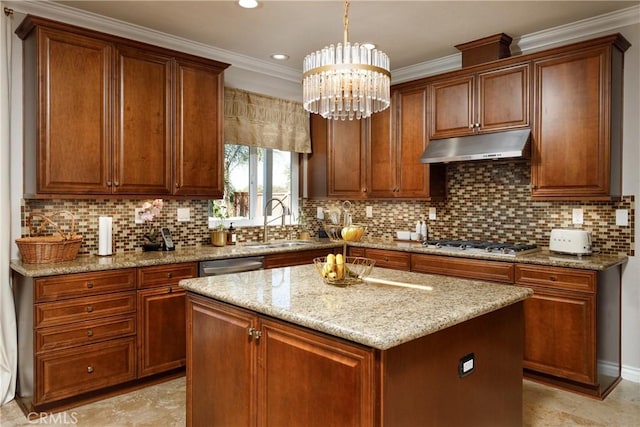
(346, 81)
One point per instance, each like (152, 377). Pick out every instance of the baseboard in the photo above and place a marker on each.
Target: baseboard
(631, 373)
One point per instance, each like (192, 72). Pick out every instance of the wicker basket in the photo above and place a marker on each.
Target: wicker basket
(37, 249)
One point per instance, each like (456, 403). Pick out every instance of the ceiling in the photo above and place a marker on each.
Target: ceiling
(410, 32)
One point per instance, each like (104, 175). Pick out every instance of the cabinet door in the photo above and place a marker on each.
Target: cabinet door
(221, 364)
(346, 158)
(559, 334)
(74, 113)
(571, 155)
(382, 179)
(451, 107)
(503, 98)
(199, 138)
(161, 330)
(306, 379)
(142, 133)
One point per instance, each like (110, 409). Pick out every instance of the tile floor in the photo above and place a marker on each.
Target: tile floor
(163, 405)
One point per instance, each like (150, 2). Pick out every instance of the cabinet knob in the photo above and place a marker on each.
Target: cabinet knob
(89, 333)
(254, 333)
(90, 369)
(116, 183)
(170, 290)
(108, 183)
(90, 309)
(553, 278)
(169, 275)
(177, 185)
(89, 285)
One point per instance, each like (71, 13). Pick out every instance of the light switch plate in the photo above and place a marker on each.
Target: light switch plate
(137, 218)
(319, 213)
(432, 213)
(578, 216)
(184, 214)
(369, 211)
(622, 217)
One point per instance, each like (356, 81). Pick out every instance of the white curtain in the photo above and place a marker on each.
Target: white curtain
(8, 341)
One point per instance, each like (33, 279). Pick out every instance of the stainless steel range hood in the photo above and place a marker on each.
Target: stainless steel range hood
(488, 146)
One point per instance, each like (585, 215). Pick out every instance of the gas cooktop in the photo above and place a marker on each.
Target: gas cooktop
(472, 246)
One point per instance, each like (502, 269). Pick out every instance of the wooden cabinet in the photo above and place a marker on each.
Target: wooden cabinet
(144, 120)
(577, 132)
(252, 353)
(572, 327)
(485, 101)
(397, 140)
(288, 259)
(83, 327)
(390, 259)
(375, 158)
(493, 271)
(161, 317)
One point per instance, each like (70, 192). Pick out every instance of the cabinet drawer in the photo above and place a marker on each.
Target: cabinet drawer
(356, 251)
(70, 372)
(59, 337)
(288, 259)
(556, 278)
(461, 267)
(166, 274)
(81, 309)
(84, 284)
(390, 259)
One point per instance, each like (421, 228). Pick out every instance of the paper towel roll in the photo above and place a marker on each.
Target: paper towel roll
(105, 224)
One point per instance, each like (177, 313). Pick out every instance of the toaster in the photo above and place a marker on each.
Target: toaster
(574, 242)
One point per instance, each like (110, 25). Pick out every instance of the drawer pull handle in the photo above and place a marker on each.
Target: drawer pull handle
(90, 369)
(90, 309)
(90, 285)
(89, 333)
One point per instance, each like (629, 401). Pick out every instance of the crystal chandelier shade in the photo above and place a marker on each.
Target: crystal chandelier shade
(346, 81)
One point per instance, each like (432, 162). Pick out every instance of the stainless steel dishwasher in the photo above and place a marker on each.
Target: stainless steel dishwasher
(230, 265)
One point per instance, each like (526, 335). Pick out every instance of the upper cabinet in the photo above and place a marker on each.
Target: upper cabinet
(577, 132)
(378, 157)
(110, 116)
(487, 101)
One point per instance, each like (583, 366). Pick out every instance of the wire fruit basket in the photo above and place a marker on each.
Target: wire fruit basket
(349, 233)
(343, 271)
(37, 249)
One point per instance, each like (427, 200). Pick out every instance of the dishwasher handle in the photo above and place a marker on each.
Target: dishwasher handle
(233, 266)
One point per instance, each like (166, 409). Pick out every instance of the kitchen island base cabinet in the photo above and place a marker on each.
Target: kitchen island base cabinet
(247, 369)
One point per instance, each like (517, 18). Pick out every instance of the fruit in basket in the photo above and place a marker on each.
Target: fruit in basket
(339, 266)
(333, 267)
(352, 233)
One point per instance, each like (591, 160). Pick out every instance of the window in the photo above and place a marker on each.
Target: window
(253, 175)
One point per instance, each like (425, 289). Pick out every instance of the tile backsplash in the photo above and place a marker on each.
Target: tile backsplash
(486, 201)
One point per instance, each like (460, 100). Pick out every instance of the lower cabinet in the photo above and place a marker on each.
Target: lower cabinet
(161, 317)
(572, 327)
(252, 353)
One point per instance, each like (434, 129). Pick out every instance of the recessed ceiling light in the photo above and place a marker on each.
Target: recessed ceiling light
(248, 4)
(369, 46)
(280, 56)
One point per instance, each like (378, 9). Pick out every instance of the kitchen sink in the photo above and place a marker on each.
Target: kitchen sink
(278, 244)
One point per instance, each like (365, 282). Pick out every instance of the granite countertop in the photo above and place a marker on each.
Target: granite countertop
(88, 263)
(393, 308)
(202, 253)
(541, 257)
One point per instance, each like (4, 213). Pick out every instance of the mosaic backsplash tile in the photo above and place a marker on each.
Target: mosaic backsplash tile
(486, 201)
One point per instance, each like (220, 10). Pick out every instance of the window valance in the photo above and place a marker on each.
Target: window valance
(263, 121)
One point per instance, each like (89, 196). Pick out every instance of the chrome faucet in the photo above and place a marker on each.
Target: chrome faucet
(265, 236)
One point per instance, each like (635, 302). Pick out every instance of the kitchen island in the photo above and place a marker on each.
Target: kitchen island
(280, 347)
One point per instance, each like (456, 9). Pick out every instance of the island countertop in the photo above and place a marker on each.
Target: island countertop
(389, 309)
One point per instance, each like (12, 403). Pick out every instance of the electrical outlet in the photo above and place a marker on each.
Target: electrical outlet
(183, 214)
(319, 213)
(369, 211)
(137, 217)
(578, 216)
(622, 217)
(432, 213)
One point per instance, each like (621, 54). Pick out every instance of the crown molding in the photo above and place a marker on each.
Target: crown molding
(528, 43)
